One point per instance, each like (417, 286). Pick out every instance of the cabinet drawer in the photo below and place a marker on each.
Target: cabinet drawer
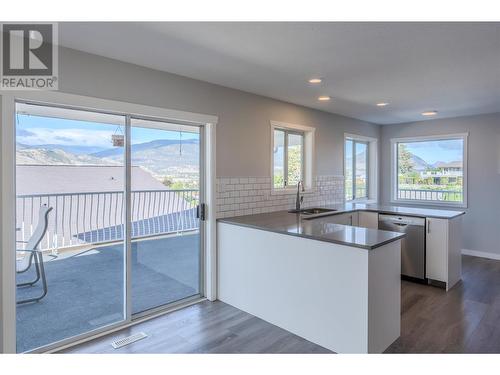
(350, 218)
(368, 219)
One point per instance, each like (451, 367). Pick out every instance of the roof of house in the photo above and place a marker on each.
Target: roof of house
(451, 164)
(52, 179)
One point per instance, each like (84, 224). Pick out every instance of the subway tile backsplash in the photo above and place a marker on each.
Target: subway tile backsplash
(238, 196)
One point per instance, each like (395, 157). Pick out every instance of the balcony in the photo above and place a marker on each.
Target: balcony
(84, 259)
(430, 195)
(97, 217)
(441, 173)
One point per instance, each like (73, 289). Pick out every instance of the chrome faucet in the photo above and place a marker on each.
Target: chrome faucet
(299, 199)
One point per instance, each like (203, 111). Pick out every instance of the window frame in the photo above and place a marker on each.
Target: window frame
(441, 137)
(286, 134)
(353, 166)
(371, 167)
(307, 134)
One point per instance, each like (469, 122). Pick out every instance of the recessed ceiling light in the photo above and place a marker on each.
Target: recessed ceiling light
(382, 104)
(323, 98)
(315, 80)
(429, 113)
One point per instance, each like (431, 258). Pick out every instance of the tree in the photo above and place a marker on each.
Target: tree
(167, 181)
(278, 180)
(178, 185)
(294, 165)
(405, 163)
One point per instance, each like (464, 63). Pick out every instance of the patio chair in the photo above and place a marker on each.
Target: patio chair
(34, 255)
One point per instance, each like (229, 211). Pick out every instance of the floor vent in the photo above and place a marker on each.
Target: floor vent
(128, 340)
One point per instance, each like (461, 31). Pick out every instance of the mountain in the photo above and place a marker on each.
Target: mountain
(419, 164)
(77, 150)
(161, 158)
(156, 144)
(31, 155)
(360, 160)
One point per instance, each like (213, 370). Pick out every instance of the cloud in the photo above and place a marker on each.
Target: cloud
(63, 139)
(67, 137)
(23, 133)
(433, 151)
(451, 144)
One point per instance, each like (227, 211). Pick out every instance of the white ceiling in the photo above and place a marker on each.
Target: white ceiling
(453, 68)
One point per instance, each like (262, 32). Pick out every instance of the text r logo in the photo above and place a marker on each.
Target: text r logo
(29, 56)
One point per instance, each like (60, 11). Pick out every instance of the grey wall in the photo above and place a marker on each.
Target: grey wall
(243, 131)
(481, 231)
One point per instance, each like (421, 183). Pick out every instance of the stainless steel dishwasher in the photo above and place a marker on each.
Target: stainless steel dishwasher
(412, 246)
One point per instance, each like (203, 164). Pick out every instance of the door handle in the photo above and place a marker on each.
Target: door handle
(201, 212)
(401, 224)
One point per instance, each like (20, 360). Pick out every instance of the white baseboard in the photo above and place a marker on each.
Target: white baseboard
(481, 254)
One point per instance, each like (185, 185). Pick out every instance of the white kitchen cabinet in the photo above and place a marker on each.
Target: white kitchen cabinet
(368, 219)
(348, 218)
(443, 250)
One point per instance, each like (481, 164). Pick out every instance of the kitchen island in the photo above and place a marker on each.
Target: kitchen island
(335, 285)
(331, 277)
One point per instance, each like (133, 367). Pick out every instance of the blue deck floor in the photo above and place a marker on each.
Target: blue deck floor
(86, 290)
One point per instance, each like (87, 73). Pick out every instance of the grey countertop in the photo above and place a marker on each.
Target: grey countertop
(322, 228)
(389, 209)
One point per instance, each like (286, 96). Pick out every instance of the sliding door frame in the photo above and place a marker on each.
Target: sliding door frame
(202, 232)
(207, 124)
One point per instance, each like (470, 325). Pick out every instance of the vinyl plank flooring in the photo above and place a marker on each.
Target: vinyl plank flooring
(207, 327)
(486, 339)
(464, 320)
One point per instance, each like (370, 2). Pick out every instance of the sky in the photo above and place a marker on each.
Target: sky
(37, 130)
(433, 151)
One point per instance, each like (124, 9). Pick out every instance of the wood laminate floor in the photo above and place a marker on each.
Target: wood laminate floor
(464, 320)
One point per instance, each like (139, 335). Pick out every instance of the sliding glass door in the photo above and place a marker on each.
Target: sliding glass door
(70, 204)
(107, 223)
(165, 182)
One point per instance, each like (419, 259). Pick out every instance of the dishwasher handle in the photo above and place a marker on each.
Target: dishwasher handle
(400, 224)
(402, 220)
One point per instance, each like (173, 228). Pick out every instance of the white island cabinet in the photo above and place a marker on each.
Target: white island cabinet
(342, 297)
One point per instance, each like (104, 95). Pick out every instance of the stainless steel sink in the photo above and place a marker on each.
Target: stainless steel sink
(312, 211)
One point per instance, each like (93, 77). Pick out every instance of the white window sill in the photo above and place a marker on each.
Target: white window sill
(291, 191)
(365, 201)
(439, 204)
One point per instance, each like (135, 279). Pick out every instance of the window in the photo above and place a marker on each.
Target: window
(356, 169)
(291, 155)
(288, 162)
(430, 170)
